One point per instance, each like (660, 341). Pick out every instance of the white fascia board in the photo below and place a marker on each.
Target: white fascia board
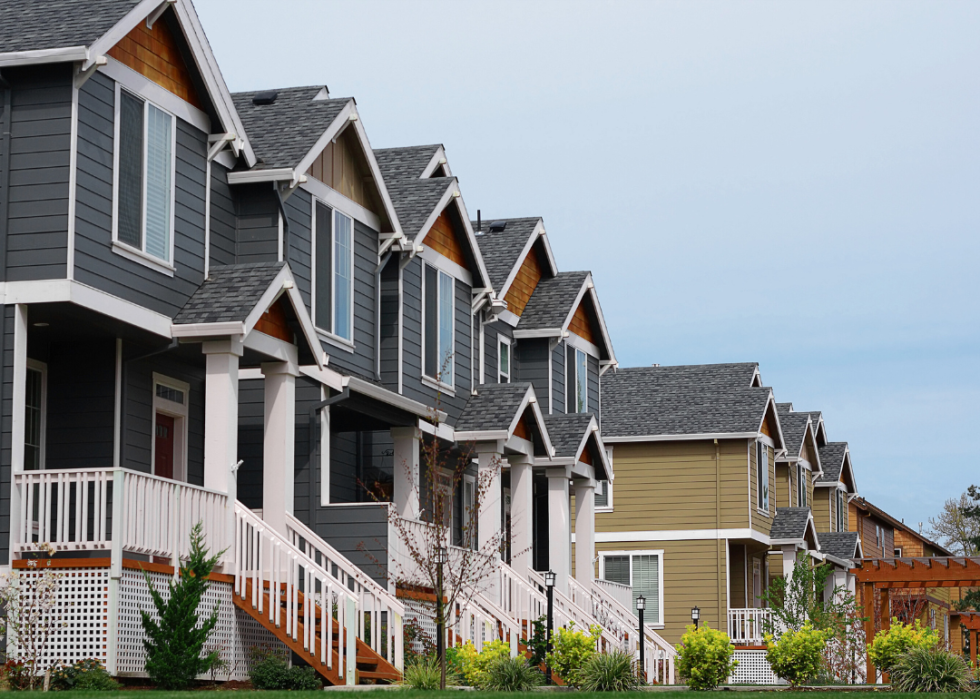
(849, 467)
(679, 437)
(681, 535)
(543, 332)
(816, 451)
(144, 87)
(779, 428)
(440, 430)
(38, 56)
(273, 347)
(602, 325)
(580, 469)
(552, 265)
(435, 162)
(840, 562)
(275, 174)
(327, 377)
(338, 201)
(528, 244)
(539, 418)
(519, 445)
(435, 213)
(333, 131)
(378, 179)
(69, 291)
(581, 343)
(398, 401)
(193, 330)
(446, 265)
(788, 542)
(471, 237)
(786, 459)
(578, 299)
(285, 283)
(213, 79)
(120, 29)
(509, 317)
(482, 436)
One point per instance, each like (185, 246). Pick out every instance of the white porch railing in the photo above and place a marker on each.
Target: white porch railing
(568, 612)
(747, 627)
(379, 620)
(266, 563)
(95, 509)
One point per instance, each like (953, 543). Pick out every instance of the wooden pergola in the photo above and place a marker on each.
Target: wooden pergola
(886, 574)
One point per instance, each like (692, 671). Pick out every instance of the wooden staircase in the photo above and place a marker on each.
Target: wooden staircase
(370, 667)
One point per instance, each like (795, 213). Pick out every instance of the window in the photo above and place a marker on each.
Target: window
(877, 535)
(438, 335)
(603, 495)
(642, 571)
(801, 485)
(898, 553)
(169, 445)
(503, 360)
(35, 415)
(333, 304)
(840, 510)
(578, 383)
(762, 475)
(144, 216)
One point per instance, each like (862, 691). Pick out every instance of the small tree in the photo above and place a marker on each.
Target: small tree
(174, 644)
(954, 529)
(802, 598)
(797, 656)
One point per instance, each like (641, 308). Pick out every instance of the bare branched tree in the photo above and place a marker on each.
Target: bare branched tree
(954, 529)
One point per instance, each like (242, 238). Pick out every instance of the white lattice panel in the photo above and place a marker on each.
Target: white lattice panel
(79, 616)
(421, 613)
(753, 668)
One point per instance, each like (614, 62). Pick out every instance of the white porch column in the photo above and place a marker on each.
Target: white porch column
(489, 522)
(18, 422)
(406, 466)
(584, 531)
(559, 527)
(789, 561)
(521, 514)
(221, 411)
(279, 443)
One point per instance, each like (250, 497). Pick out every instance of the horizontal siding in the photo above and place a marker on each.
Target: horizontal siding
(389, 330)
(300, 217)
(95, 262)
(533, 356)
(37, 182)
(258, 223)
(360, 533)
(223, 219)
(761, 521)
(558, 378)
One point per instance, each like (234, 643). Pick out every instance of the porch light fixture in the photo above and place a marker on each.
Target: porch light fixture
(549, 578)
(696, 617)
(641, 603)
(441, 555)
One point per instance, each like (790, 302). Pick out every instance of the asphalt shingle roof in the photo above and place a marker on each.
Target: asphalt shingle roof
(502, 250)
(832, 461)
(552, 301)
(682, 400)
(30, 25)
(789, 523)
(794, 428)
(566, 432)
(839, 544)
(415, 200)
(283, 132)
(229, 293)
(493, 407)
(404, 164)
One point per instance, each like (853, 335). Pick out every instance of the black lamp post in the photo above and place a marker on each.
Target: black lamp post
(696, 617)
(641, 604)
(441, 558)
(549, 582)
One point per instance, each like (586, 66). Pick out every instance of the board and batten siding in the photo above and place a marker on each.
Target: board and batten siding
(96, 264)
(673, 485)
(37, 156)
(694, 573)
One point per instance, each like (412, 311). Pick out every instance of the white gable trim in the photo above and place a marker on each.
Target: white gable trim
(37, 56)
(438, 158)
(452, 194)
(538, 232)
(779, 427)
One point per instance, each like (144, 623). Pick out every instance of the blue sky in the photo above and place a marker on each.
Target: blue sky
(796, 184)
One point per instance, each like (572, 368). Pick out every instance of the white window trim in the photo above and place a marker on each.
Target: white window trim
(608, 507)
(575, 378)
(431, 380)
(582, 344)
(177, 411)
(333, 276)
(444, 264)
(124, 249)
(767, 511)
(660, 569)
(42, 368)
(328, 334)
(324, 449)
(503, 340)
(471, 481)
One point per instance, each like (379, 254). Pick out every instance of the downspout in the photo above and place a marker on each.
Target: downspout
(314, 451)
(285, 222)
(722, 613)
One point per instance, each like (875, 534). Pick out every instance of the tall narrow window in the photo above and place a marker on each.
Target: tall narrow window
(800, 485)
(34, 416)
(840, 510)
(602, 494)
(343, 277)
(762, 475)
(642, 572)
(438, 337)
(578, 381)
(145, 176)
(503, 360)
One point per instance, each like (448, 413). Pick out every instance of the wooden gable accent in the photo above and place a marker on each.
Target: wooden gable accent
(343, 167)
(445, 240)
(274, 323)
(769, 424)
(522, 430)
(524, 283)
(581, 325)
(586, 456)
(155, 54)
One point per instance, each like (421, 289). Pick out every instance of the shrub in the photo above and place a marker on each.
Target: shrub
(174, 644)
(512, 675)
(422, 673)
(614, 671)
(898, 640)
(537, 645)
(571, 650)
(17, 675)
(86, 674)
(704, 657)
(474, 665)
(270, 671)
(931, 670)
(797, 655)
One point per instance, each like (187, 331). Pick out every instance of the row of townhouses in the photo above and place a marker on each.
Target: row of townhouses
(230, 308)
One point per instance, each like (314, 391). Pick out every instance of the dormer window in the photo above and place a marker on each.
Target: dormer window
(144, 178)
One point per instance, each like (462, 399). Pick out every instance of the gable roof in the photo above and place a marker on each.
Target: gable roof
(416, 201)
(570, 434)
(794, 426)
(406, 163)
(286, 130)
(661, 403)
(494, 411)
(504, 250)
(29, 25)
(832, 456)
(842, 545)
(863, 504)
(791, 525)
(819, 426)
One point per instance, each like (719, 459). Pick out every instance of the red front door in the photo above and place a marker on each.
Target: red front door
(164, 448)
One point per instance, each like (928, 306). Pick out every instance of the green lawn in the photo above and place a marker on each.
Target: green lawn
(408, 694)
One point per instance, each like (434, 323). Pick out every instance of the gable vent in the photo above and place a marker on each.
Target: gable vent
(267, 97)
(497, 226)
